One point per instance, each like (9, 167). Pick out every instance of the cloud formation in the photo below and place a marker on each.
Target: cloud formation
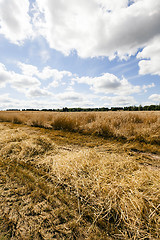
(18, 81)
(93, 28)
(15, 22)
(109, 83)
(5, 76)
(119, 101)
(155, 98)
(71, 96)
(47, 73)
(22, 82)
(151, 56)
(38, 92)
(98, 27)
(145, 87)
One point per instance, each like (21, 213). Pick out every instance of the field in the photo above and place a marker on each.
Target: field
(80, 175)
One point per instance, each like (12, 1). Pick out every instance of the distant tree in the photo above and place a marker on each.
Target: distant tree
(140, 108)
(65, 109)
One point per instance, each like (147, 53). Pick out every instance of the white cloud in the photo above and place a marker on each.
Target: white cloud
(92, 28)
(5, 76)
(75, 99)
(18, 81)
(29, 80)
(112, 5)
(47, 73)
(151, 54)
(70, 88)
(12, 103)
(28, 69)
(23, 82)
(4, 98)
(8, 102)
(109, 83)
(71, 96)
(38, 92)
(15, 21)
(56, 75)
(145, 87)
(119, 101)
(98, 27)
(155, 98)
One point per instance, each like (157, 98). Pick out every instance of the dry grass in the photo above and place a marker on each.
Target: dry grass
(130, 126)
(54, 190)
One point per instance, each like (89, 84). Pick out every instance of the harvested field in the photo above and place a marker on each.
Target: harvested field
(75, 183)
(130, 126)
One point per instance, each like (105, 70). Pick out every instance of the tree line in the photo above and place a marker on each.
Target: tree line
(101, 109)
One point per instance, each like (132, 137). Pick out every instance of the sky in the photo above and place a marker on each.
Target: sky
(79, 53)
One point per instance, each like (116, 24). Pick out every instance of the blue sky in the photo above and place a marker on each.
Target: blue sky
(94, 53)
